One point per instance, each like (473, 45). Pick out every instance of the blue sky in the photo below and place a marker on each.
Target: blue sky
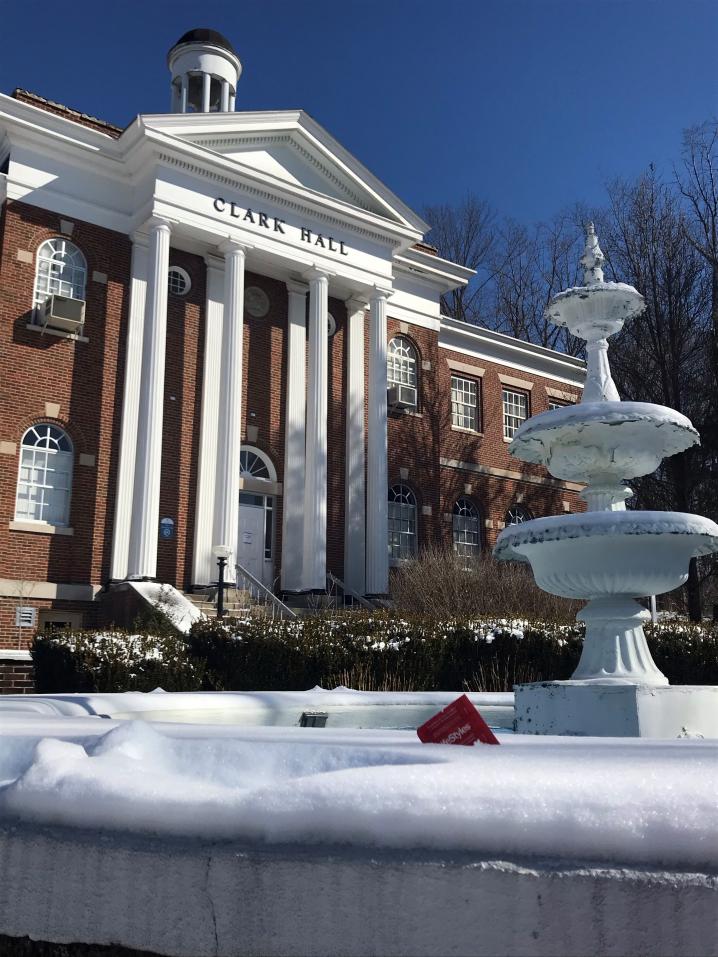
(531, 104)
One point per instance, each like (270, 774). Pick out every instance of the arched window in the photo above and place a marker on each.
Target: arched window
(253, 464)
(517, 514)
(467, 529)
(45, 481)
(61, 271)
(401, 373)
(402, 522)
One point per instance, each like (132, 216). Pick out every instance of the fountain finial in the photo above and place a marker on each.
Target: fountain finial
(593, 258)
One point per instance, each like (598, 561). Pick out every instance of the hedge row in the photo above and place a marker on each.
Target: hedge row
(371, 652)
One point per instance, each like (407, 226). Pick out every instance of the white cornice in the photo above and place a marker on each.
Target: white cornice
(441, 272)
(505, 350)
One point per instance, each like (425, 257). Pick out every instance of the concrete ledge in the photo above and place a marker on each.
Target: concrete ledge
(195, 899)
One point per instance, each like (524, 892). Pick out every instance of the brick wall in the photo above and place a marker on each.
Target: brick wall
(83, 378)
(418, 441)
(16, 677)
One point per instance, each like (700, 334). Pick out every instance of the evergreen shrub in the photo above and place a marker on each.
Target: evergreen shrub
(382, 652)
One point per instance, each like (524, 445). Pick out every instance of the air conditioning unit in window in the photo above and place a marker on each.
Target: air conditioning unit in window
(61, 312)
(400, 397)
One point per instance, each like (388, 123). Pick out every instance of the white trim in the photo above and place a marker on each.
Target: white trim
(7, 655)
(47, 331)
(34, 590)
(510, 474)
(42, 528)
(466, 368)
(514, 383)
(563, 396)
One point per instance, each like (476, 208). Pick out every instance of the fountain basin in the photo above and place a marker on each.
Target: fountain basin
(616, 440)
(608, 554)
(595, 311)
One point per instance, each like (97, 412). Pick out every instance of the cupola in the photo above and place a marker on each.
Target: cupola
(205, 71)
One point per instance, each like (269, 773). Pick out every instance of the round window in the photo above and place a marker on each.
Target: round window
(331, 324)
(256, 302)
(178, 281)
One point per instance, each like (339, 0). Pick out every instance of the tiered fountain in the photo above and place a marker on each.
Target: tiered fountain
(607, 554)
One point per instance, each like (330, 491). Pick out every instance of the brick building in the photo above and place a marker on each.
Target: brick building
(218, 328)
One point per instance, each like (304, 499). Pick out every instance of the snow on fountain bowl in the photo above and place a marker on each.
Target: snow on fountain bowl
(607, 554)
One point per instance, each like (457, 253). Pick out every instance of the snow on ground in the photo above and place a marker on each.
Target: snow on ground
(631, 802)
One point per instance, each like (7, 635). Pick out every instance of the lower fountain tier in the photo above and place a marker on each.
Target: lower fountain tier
(606, 554)
(613, 440)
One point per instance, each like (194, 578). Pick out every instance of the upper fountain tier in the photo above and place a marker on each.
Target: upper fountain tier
(601, 440)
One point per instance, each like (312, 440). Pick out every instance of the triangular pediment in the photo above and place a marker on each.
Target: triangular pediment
(292, 149)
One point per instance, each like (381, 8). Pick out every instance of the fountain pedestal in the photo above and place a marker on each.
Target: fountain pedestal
(616, 710)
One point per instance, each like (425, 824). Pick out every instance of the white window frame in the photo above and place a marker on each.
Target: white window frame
(466, 528)
(515, 405)
(517, 514)
(42, 455)
(60, 270)
(464, 403)
(180, 273)
(402, 363)
(402, 514)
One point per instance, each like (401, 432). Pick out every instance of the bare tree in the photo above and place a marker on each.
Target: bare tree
(464, 234)
(697, 179)
(663, 355)
(531, 265)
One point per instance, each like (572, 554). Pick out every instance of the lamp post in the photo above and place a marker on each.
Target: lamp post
(222, 553)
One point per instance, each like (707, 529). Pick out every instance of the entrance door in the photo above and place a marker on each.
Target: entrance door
(251, 534)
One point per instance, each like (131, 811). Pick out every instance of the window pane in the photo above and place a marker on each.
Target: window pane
(515, 411)
(44, 476)
(464, 403)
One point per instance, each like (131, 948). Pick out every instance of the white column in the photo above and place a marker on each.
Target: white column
(294, 439)
(225, 96)
(206, 83)
(229, 432)
(315, 487)
(377, 530)
(184, 93)
(130, 409)
(232, 98)
(354, 494)
(204, 564)
(146, 500)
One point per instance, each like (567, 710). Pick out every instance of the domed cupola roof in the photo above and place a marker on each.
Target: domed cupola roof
(204, 35)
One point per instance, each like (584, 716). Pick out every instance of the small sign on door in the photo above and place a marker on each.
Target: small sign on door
(247, 538)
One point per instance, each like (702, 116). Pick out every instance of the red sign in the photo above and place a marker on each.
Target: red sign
(458, 723)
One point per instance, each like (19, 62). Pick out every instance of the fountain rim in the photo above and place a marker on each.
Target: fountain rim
(585, 525)
(609, 413)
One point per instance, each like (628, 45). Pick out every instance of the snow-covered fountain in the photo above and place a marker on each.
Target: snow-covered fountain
(608, 555)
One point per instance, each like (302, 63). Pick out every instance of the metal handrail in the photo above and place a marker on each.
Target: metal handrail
(355, 596)
(278, 605)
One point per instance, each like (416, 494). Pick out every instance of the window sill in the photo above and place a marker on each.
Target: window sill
(507, 441)
(40, 528)
(33, 327)
(459, 428)
(404, 413)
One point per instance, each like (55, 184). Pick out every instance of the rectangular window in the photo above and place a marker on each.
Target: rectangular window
(557, 404)
(516, 411)
(464, 403)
